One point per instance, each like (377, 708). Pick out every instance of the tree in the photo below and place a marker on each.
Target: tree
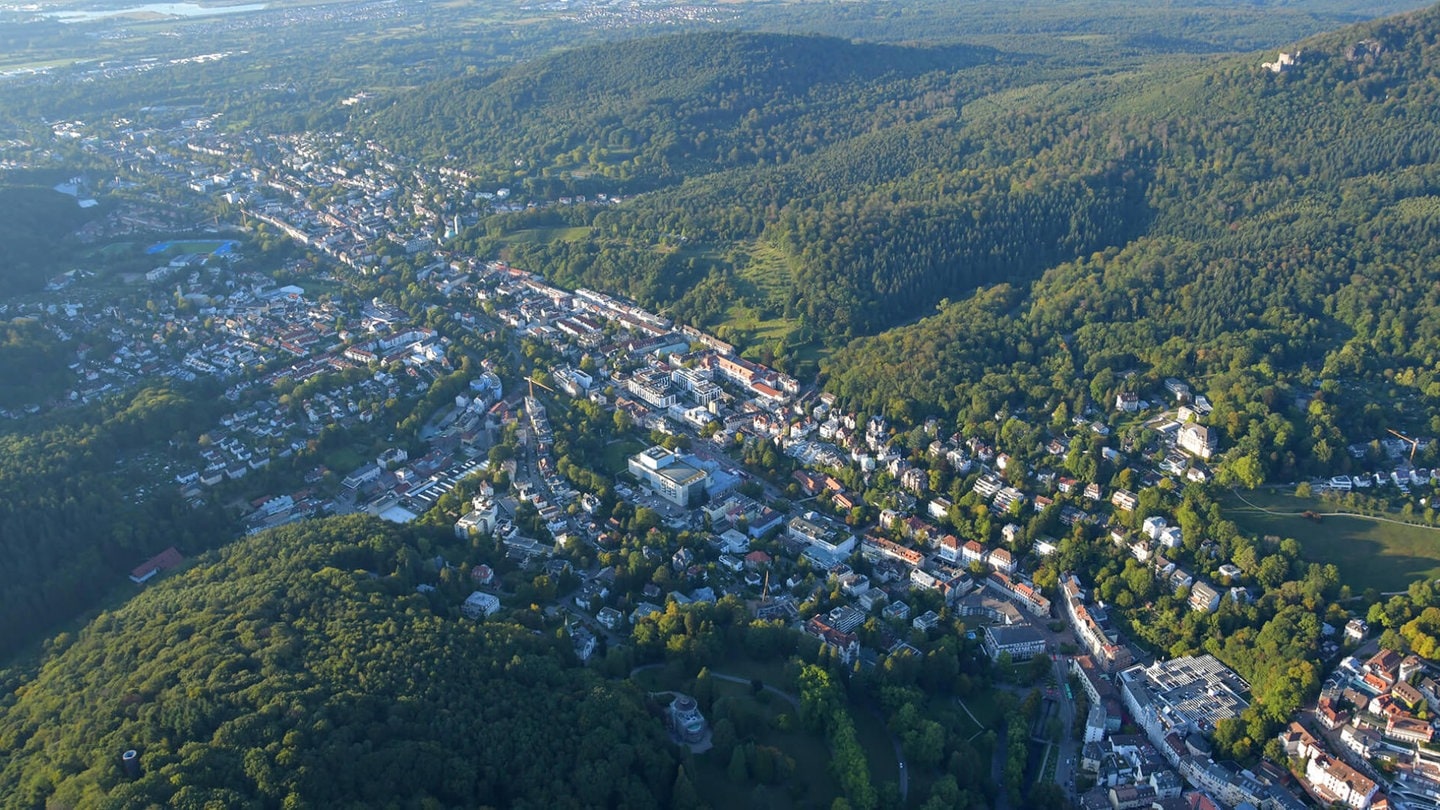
(737, 771)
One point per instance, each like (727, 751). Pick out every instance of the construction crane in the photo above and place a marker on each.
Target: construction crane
(1414, 443)
(534, 382)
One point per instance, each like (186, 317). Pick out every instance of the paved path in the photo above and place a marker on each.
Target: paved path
(789, 698)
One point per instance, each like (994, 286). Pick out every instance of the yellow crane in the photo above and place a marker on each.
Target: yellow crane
(1414, 443)
(534, 382)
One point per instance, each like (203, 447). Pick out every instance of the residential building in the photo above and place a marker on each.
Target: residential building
(1334, 781)
(1197, 440)
(480, 604)
(480, 520)
(1203, 597)
(1125, 500)
(846, 646)
(926, 621)
(1024, 593)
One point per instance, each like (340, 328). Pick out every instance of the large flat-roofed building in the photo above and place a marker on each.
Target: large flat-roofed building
(1187, 694)
(1022, 642)
(667, 474)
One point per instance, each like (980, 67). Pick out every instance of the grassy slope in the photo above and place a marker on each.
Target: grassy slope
(1370, 553)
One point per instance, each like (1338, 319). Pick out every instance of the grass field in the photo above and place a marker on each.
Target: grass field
(618, 453)
(540, 236)
(767, 279)
(1370, 553)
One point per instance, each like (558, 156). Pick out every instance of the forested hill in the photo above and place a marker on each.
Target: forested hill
(846, 200)
(1290, 257)
(301, 668)
(650, 112)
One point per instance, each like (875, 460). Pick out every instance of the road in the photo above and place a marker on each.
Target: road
(899, 757)
(997, 771)
(1068, 748)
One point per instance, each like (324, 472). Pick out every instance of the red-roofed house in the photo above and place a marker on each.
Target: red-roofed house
(165, 560)
(972, 552)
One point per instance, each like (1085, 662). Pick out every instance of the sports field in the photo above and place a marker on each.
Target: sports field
(218, 247)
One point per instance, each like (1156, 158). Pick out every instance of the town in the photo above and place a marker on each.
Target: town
(873, 537)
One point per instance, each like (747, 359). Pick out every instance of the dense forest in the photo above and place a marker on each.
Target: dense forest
(33, 363)
(38, 220)
(1289, 261)
(301, 668)
(70, 527)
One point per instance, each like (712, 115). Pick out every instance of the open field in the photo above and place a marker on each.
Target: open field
(540, 236)
(618, 453)
(1370, 553)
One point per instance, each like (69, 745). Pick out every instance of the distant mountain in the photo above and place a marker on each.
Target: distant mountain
(650, 112)
(300, 668)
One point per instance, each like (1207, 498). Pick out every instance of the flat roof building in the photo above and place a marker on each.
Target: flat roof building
(1187, 694)
(672, 478)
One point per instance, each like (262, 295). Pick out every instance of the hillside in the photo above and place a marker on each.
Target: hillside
(1290, 254)
(640, 114)
(1264, 232)
(35, 231)
(300, 667)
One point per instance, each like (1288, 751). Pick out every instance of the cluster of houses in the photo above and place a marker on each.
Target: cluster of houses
(1373, 711)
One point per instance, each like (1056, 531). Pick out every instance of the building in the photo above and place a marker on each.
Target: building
(1197, 440)
(610, 618)
(1203, 597)
(1103, 696)
(1022, 642)
(1408, 729)
(1124, 499)
(1092, 626)
(896, 611)
(1189, 694)
(926, 621)
(653, 387)
(1334, 781)
(165, 560)
(1355, 630)
(480, 520)
(846, 646)
(1025, 594)
(1233, 788)
(479, 605)
(672, 478)
(1001, 560)
(685, 719)
(813, 530)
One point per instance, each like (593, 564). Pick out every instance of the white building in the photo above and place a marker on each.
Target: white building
(480, 604)
(670, 477)
(1197, 440)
